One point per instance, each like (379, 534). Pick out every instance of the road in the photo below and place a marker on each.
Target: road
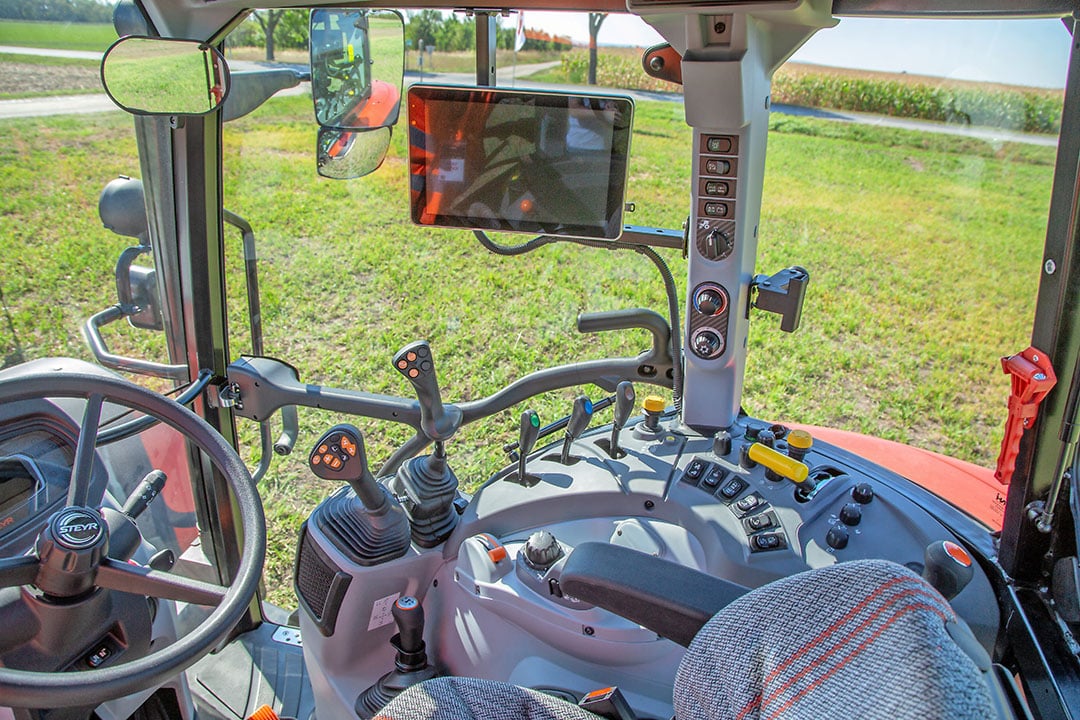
(96, 103)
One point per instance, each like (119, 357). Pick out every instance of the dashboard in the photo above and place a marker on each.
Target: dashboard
(492, 593)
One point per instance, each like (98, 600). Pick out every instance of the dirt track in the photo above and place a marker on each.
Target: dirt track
(25, 78)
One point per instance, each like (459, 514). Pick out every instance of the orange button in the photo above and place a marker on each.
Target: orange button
(497, 553)
(402, 364)
(957, 553)
(323, 448)
(414, 373)
(335, 463)
(315, 459)
(411, 356)
(327, 458)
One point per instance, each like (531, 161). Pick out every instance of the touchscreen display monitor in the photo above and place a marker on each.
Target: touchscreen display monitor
(512, 161)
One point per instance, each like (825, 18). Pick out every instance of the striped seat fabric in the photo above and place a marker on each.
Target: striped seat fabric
(861, 640)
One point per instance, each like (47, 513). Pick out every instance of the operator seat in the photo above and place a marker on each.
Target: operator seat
(860, 639)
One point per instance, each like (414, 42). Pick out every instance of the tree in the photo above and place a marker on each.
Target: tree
(595, 21)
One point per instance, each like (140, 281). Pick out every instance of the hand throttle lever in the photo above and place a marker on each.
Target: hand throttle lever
(529, 432)
(416, 363)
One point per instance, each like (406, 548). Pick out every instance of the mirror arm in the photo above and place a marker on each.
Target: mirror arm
(92, 333)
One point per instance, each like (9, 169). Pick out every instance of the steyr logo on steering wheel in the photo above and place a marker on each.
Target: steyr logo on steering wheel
(78, 529)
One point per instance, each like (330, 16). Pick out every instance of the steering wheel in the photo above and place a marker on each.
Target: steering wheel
(70, 560)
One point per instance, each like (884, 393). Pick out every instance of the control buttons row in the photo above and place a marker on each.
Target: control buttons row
(413, 362)
(850, 515)
(334, 453)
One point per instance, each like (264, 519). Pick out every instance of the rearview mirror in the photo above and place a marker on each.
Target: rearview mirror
(348, 154)
(357, 67)
(158, 76)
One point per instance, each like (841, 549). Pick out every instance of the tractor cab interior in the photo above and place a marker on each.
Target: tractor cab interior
(657, 552)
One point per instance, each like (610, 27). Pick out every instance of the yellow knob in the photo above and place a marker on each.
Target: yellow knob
(800, 439)
(654, 404)
(779, 463)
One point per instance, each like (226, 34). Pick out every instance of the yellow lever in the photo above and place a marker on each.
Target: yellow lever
(779, 463)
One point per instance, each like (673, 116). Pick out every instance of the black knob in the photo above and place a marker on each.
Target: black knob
(862, 493)
(708, 343)
(542, 550)
(721, 444)
(710, 301)
(948, 567)
(767, 438)
(837, 537)
(408, 614)
(744, 457)
(851, 514)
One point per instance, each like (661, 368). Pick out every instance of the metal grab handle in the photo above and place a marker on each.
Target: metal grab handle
(92, 333)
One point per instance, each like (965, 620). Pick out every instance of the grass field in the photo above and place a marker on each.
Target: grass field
(61, 36)
(924, 254)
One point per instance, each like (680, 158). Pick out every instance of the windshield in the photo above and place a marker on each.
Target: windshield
(922, 237)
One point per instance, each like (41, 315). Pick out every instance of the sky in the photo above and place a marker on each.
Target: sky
(1015, 52)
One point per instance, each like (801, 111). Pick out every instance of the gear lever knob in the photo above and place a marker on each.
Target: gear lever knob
(625, 397)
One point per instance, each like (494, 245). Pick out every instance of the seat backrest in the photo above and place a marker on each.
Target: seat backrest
(860, 639)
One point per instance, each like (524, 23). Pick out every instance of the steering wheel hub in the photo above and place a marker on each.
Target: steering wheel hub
(77, 528)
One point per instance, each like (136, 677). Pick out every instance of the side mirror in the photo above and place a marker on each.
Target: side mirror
(158, 76)
(357, 67)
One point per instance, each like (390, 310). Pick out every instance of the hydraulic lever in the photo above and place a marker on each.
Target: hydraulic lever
(579, 421)
(416, 363)
(530, 431)
(624, 405)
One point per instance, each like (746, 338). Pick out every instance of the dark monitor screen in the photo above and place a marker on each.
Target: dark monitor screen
(514, 161)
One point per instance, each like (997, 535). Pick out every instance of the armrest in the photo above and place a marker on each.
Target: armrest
(670, 599)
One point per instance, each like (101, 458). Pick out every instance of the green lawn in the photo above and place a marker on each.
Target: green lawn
(924, 254)
(61, 36)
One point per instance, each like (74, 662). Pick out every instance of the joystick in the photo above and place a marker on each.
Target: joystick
(529, 432)
(428, 488)
(370, 524)
(416, 363)
(410, 659)
(579, 420)
(624, 405)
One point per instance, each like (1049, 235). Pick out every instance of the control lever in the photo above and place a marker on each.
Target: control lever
(530, 431)
(579, 421)
(339, 455)
(783, 294)
(625, 398)
(373, 526)
(416, 363)
(124, 535)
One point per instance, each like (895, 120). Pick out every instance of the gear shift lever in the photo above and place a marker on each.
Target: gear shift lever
(410, 660)
(416, 363)
(579, 421)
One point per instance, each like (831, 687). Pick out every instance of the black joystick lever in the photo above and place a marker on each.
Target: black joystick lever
(370, 527)
(579, 421)
(415, 362)
(624, 405)
(339, 455)
(410, 659)
(530, 431)
(948, 567)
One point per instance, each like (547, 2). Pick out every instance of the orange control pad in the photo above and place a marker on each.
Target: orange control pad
(334, 452)
(414, 362)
